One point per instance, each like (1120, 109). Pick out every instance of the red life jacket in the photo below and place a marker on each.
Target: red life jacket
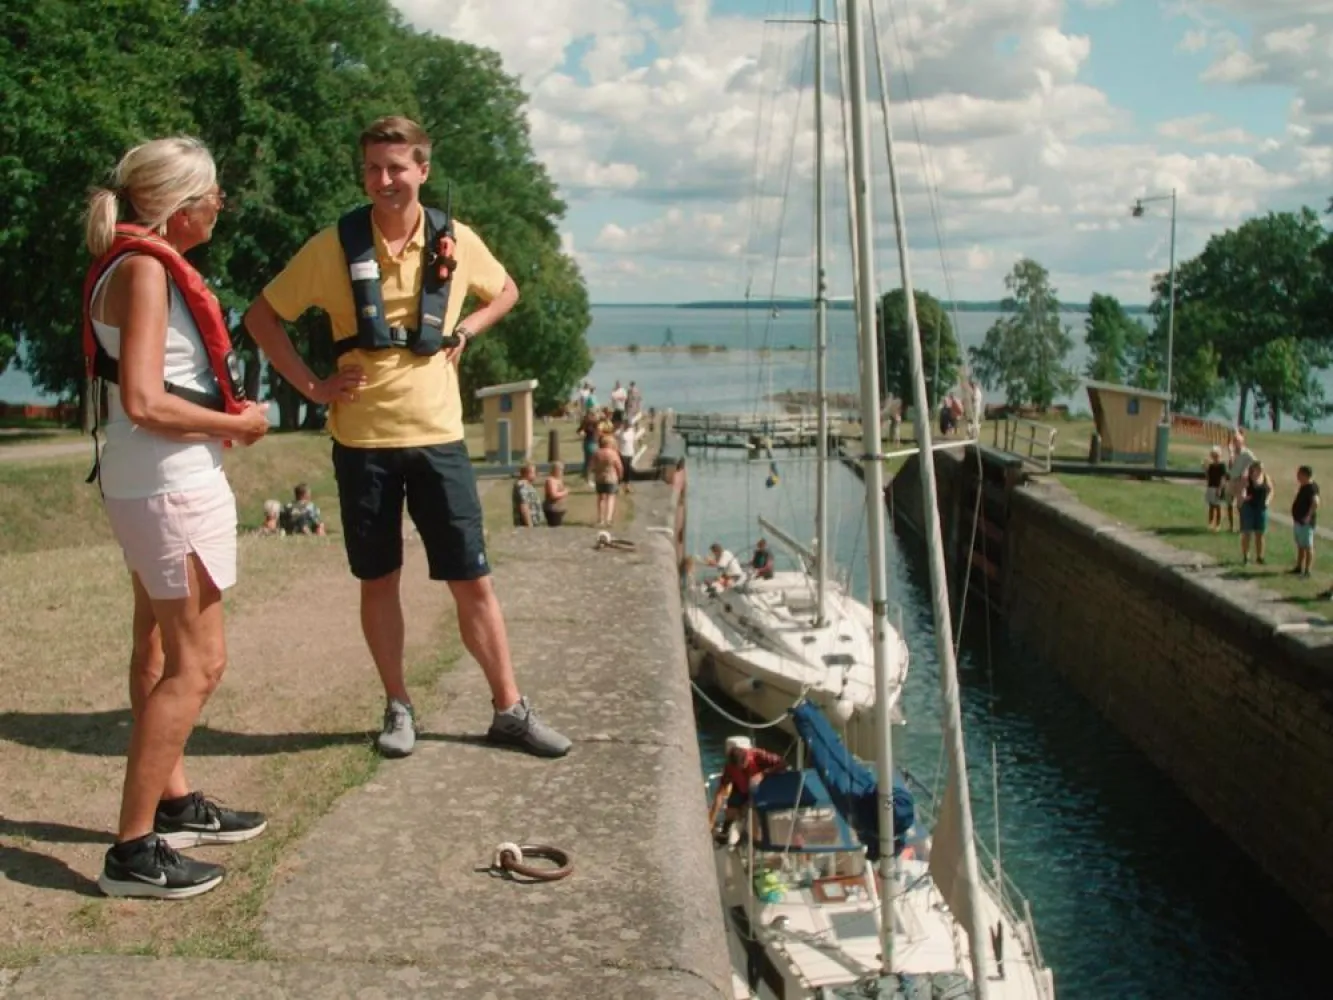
(199, 299)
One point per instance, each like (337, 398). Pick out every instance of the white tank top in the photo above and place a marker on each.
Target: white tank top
(138, 463)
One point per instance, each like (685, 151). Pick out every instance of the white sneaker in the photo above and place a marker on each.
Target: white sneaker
(733, 834)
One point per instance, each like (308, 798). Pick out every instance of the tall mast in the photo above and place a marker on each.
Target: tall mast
(845, 131)
(874, 471)
(821, 338)
(953, 720)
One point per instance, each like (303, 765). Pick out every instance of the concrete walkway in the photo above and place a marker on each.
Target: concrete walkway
(46, 449)
(388, 895)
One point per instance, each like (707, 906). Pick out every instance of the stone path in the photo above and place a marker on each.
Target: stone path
(388, 895)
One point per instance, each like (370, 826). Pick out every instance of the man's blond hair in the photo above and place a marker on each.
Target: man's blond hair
(396, 130)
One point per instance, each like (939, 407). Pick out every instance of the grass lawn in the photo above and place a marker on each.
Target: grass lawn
(1281, 453)
(45, 503)
(1178, 515)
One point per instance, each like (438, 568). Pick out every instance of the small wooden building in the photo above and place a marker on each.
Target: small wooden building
(512, 402)
(1127, 420)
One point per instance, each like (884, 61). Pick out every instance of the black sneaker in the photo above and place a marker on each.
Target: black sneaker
(203, 821)
(154, 871)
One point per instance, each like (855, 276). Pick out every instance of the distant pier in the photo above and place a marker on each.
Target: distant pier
(755, 433)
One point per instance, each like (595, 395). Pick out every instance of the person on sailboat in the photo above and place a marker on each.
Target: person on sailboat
(745, 768)
(729, 571)
(761, 563)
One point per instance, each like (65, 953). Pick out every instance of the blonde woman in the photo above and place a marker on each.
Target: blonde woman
(157, 344)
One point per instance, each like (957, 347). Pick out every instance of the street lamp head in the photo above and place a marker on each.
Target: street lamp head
(1136, 210)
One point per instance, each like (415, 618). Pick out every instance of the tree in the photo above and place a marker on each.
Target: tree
(936, 331)
(283, 91)
(1025, 349)
(1253, 297)
(79, 91)
(280, 91)
(1111, 336)
(1197, 384)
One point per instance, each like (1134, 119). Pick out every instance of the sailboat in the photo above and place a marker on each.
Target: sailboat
(808, 917)
(799, 634)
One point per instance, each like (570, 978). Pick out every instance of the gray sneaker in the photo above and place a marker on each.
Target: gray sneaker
(399, 734)
(519, 726)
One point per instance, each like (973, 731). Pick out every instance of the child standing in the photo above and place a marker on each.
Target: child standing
(1216, 472)
(1304, 508)
(608, 473)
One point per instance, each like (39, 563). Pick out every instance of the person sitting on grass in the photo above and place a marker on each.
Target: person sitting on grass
(527, 505)
(272, 514)
(1304, 508)
(301, 516)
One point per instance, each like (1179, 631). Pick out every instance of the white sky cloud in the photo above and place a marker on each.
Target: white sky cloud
(668, 127)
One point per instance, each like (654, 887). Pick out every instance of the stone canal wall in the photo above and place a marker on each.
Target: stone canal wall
(1227, 690)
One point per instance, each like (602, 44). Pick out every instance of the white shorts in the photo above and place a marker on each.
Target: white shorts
(157, 535)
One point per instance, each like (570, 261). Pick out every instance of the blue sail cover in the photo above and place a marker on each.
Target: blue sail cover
(851, 784)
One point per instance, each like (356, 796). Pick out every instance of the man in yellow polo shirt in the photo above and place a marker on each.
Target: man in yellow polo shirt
(397, 421)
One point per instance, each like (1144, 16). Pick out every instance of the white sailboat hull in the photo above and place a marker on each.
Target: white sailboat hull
(808, 944)
(757, 646)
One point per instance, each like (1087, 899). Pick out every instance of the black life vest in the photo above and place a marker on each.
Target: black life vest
(373, 333)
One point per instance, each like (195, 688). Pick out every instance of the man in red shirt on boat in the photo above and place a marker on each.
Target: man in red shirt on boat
(746, 766)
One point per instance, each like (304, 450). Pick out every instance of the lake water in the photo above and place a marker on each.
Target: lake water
(733, 380)
(1135, 893)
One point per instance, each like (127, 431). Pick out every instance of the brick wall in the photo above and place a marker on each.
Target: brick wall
(1226, 690)
(1203, 675)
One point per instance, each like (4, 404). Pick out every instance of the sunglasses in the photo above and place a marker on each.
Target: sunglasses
(219, 197)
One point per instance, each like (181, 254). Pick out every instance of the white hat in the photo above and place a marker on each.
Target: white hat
(738, 743)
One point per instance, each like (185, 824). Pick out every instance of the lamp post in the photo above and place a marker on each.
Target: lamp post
(1137, 211)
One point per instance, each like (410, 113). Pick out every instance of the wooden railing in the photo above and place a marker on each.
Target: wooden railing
(1212, 431)
(1029, 440)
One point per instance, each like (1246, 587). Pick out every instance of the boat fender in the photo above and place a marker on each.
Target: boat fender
(843, 708)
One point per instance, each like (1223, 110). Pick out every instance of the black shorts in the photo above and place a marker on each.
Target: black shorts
(441, 494)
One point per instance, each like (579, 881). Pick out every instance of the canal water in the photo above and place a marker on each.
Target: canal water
(1135, 894)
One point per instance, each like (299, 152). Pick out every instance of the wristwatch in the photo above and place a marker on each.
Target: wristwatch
(463, 334)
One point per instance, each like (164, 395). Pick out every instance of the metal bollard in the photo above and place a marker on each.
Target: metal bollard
(502, 455)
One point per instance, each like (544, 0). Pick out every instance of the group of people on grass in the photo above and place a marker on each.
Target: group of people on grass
(300, 517)
(1240, 486)
(159, 346)
(533, 509)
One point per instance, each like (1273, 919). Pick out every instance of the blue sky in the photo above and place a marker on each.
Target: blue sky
(1043, 120)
